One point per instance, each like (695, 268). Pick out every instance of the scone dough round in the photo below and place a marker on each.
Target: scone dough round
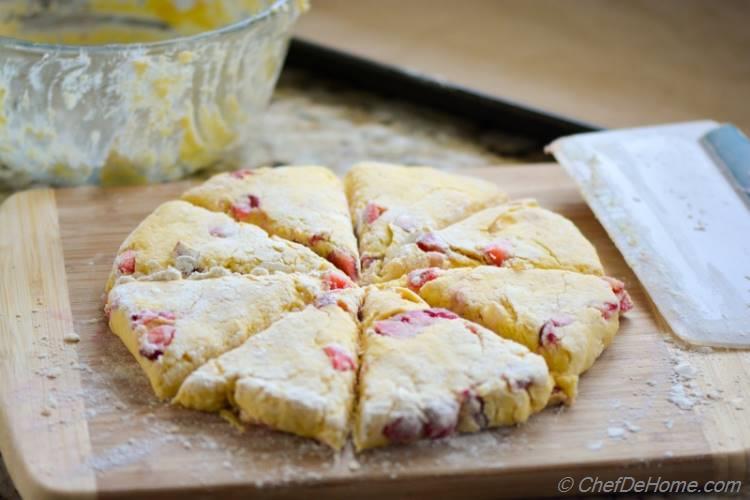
(464, 312)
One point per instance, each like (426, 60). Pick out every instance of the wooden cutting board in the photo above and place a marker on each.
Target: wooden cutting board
(79, 419)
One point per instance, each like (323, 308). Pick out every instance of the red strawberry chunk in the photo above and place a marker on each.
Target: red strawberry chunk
(373, 211)
(548, 334)
(336, 280)
(618, 288)
(402, 430)
(411, 323)
(442, 421)
(345, 262)
(340, 359)
(150, 318)
(241, 173)
(156, 341)
(245, 206)
(126, 262)
(417, 279)
(439, 313)
(430, 242)
(626, 304)
(317, 238)
(472, 406)
(497, 253)
(393, 328)
(161, 335)
(608, 309)
(616, 285)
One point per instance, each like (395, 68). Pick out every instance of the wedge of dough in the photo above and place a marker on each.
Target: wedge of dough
(173, 327)
(427, 374)
(304, 204)
(179, 239)
(569, 318)
(520, 235)
(391, 203)
(296, 376)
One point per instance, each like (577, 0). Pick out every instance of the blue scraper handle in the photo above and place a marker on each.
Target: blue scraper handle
(731, 148)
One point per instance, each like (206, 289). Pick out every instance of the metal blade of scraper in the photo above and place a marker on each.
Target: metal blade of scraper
(679, 222)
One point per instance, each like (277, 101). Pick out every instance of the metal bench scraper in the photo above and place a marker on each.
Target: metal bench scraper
(674, 199)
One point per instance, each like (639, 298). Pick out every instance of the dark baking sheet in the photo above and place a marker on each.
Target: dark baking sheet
(486, 111)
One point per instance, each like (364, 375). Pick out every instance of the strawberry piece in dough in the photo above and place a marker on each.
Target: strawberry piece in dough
(430, 242)
(317, 238)
(372, 212)
(345, 262)
(608, 309)
(126, 262)
(245, 206)
(159, 334)
(241, 173)
(618, 287)
(472, 405)
(548, 335)
(149, 318)
(442, 420)
(497, 253)
(417, 279)
(157, 339)
(410, 323)
(340, 359)
(335, 280)
(403, 430)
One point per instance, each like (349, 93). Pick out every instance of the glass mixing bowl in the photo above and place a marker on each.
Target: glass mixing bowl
(133, 91)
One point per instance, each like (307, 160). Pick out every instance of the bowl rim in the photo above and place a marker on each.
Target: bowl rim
(8, 42)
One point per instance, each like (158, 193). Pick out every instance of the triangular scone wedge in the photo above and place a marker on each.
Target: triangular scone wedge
(178, 239)
(173, 327)
(389, 203)
(569, 318)
(520, 235)
(296, 376)
(427, 374)
(304, 204)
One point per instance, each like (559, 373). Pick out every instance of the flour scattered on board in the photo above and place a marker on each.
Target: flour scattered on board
(631, 427)
(684, 392)
(616, 432)
(594, 445)
(679, 396)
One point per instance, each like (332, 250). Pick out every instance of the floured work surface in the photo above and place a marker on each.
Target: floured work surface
(85, 420)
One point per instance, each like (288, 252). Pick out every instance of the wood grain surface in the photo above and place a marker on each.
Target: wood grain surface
(80, 419)
(608, 62)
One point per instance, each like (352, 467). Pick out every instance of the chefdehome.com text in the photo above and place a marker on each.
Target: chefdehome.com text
(652, 484)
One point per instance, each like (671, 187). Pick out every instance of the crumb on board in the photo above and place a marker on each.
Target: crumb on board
(71, 338)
